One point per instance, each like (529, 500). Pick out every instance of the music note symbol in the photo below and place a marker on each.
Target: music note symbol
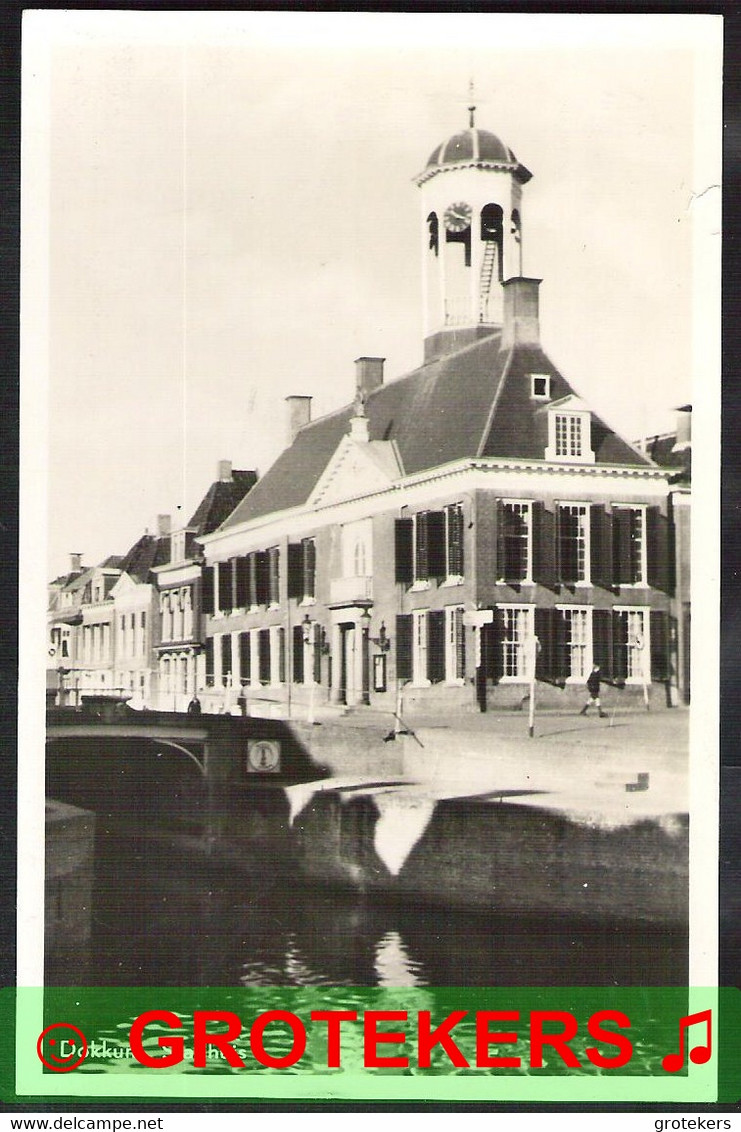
(699, 1054)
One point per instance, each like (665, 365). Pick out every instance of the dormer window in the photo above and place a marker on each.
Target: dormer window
(569, 432)
(540, 386)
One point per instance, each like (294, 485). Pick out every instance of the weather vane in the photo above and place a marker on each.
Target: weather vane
(472, 105)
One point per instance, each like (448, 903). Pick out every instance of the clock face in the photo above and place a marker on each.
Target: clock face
(457, 216)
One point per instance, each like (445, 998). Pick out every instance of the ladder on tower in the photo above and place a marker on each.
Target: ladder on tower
(487, 273)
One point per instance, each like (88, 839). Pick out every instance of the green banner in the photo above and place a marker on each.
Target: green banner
(531, 1044)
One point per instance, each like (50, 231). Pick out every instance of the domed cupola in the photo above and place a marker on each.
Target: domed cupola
(472, 235)
(475, 147)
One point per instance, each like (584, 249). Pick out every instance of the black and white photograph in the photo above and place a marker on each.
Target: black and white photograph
(370, 415)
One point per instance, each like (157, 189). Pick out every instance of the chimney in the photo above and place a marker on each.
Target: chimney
(299, 414)
(163, 525)
(368, 374)
(521, 326)
(224, 471)
(75, 562)
(684, 429)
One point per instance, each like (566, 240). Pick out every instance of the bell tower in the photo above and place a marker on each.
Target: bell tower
(471, 236)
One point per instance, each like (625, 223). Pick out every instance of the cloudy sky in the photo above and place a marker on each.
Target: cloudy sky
(219, 212)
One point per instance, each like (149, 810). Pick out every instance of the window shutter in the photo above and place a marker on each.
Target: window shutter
(262, 577)
(600, 546)
(225, 585)
(550, 665)
(436, 563)
(317, 630)
(209, 653)
(242, 588)
(492, 647)
(657, 549)
(207, 590)
(281, 655)
(436, 646)
(619, 645)
(622, 522)
(544, 633)
(296, 569)
(455, 541)
(298, 654)
(309, 564)
(501, 562)
(544, 545)
(403, 543)
(226, 654)
(263, 655)
(404, 646)
(421, 545)
(660, 668)
(602, 641)
(460, 645)
(245, 656)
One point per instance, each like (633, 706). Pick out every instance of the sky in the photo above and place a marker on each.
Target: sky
(220, 211)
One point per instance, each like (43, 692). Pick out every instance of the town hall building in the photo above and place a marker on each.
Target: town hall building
(455, 531)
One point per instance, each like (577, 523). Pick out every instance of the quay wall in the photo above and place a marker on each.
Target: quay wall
(504, 856)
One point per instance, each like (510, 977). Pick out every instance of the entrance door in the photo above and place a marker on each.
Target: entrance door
(348, 692)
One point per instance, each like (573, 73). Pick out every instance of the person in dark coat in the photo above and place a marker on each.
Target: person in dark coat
(194, 707)
(593, 685)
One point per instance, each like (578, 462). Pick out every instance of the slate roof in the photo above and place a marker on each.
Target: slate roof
(474, 402)
(219, 501)
(146, 553)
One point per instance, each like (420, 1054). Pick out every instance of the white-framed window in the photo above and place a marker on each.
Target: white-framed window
(517, 633)
(577, 641)
(570, 436)
(516, 541)
(540, 386)
(633, 635)
(630, 543)
(573, 542)
(455, 645)
(419, 647)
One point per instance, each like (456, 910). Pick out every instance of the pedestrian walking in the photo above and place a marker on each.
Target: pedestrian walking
(194, 707)
(593, 685)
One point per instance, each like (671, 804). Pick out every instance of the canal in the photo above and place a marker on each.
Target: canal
(165, 915)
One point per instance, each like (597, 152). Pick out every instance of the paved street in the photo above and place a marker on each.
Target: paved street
(575, 764)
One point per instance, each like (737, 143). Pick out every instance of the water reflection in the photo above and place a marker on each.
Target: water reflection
(165, 918)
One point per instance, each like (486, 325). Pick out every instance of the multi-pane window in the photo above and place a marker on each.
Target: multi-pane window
(631, 638)
(517, 631)
(419, 646)
(573, 542)
(455, 644)
(629, 544)
(273, 576)
(515, 563)
(454, 540)
(576, 642)
(568, 434)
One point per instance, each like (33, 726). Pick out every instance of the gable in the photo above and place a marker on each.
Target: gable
(356, 469)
